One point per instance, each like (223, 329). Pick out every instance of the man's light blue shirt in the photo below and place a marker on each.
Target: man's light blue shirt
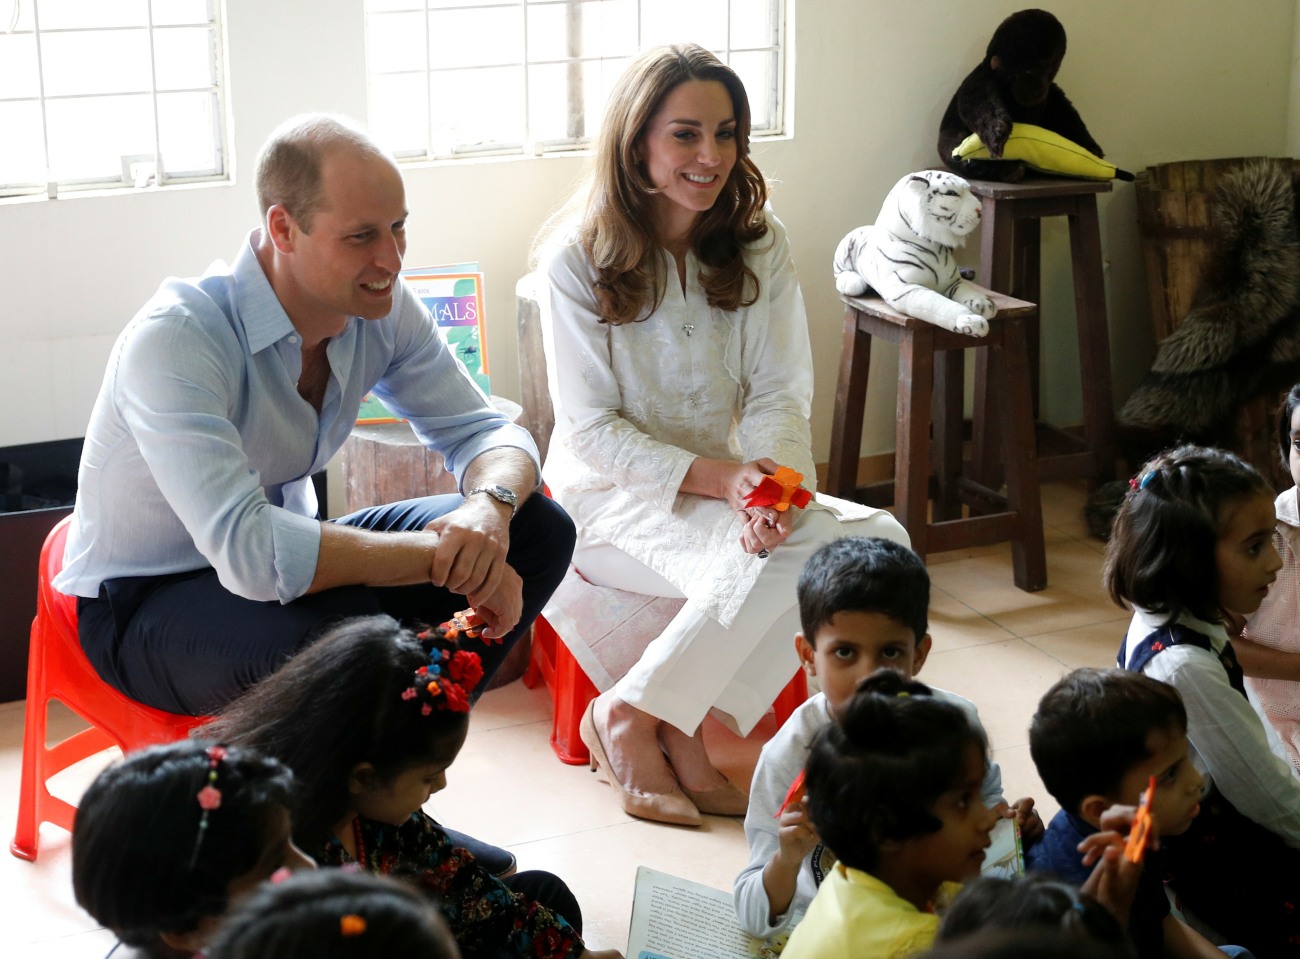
(200, 451)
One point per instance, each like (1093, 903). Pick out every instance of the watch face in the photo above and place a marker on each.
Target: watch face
(503, 493)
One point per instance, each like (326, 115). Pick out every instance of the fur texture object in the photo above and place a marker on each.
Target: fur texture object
(1012, 84)
(1240, 340)
(1242, 336)
(907, 255)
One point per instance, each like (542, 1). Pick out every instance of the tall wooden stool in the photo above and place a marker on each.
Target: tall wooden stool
(1010, 257)
(930, 373)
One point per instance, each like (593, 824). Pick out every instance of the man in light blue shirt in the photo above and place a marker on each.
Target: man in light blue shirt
(195, 545)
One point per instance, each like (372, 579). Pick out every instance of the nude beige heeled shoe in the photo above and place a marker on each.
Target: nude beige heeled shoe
(671, 807)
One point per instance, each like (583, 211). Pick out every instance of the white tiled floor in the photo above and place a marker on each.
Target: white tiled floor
(992, 643)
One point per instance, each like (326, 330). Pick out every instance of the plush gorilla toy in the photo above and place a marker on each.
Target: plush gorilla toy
(1012, 85)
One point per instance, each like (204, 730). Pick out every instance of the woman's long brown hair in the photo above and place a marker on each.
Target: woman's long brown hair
(617, 226)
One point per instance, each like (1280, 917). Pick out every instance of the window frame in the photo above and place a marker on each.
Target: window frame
(159, 176)
(775, 95)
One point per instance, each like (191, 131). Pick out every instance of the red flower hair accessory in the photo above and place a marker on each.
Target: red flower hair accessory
(466, 668)
(452, 673)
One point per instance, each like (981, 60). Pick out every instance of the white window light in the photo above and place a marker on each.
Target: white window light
(96, 94)
(450, 78)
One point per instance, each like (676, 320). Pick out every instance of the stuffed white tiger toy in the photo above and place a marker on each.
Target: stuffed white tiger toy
(906, 257)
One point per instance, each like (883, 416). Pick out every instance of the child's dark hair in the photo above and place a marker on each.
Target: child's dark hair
(1025, 944)
(138, 865)
(1029, 902)
(874, 774)
(1284, 414)
(863, 574)
(333, 914)
(1092, 727)
(349, 698)
(1161, 551)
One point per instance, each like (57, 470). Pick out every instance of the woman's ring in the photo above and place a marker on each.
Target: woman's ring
(763, 554)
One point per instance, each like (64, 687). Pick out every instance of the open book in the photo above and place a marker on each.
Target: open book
(675, 918)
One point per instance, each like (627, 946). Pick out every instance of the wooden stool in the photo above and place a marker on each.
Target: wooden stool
(387, 463)
(1009, 261)
(930, 364)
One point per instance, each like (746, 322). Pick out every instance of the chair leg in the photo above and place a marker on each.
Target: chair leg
(912, 438)
(1094, 337)
(571, 694)
(850, 408)
(27, 832)
(948, 397)
(1028, 554)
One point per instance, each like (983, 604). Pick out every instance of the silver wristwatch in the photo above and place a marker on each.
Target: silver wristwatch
(502, 494)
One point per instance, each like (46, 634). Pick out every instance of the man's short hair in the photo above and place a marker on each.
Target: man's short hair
(289, 164)
(863, 574)
(1091, 728)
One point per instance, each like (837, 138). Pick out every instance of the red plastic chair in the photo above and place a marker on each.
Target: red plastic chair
(58, 669)
(571, 691)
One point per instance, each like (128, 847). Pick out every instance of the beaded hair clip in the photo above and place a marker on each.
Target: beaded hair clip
(1135, 484)
(352, 925)
(209, 797)
(452, 673)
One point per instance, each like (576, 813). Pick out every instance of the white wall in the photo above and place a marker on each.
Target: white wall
(1156, 80)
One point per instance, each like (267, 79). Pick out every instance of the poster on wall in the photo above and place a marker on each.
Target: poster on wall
(453, 294)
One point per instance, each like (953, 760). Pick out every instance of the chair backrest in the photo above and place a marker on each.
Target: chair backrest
(62, 609)
(539, 414)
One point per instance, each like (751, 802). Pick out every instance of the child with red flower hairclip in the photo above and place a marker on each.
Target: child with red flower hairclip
(369, 717)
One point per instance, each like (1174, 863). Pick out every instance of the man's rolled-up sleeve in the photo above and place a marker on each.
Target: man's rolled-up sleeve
(179, 414)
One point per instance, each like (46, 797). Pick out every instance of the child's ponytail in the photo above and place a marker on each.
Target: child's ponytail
(873, 775)
(871, 720)
(368, 691)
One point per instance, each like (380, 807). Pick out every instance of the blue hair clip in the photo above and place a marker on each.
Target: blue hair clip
(1146, 480)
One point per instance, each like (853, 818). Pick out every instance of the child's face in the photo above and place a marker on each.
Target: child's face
(393, 801)
(1244, 555)
(852, 646)
(1294, 458)
(1178, 784)
(956, 851)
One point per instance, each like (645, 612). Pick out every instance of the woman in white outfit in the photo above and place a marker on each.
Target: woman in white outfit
(681, 374)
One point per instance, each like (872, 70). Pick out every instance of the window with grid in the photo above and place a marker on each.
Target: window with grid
(454, 78)
(98, 93)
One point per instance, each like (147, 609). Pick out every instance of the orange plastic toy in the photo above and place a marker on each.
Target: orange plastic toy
(469, 624)
(1136, 846)
(794, 795)
(780, 491)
